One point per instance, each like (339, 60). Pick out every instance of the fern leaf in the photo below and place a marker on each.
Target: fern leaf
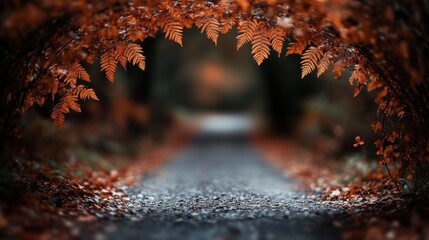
(246, 33)
(226, 25)
(75, 72)
(67, 102)
(338, 70)
(173, 30)
(296, 47)
(80, 72)
(212, 29)
(374, 84)
(358, 75)
(88, 94)
(277, 38)
(309, 60)
(85, 93)
(119, 55)
(260, 45)
(70, 80)
(109, 64)
(75, 106)
(358, 89)
(54, 90)
(134, 54)
(323, 65)
(58, 117)
(353, 77)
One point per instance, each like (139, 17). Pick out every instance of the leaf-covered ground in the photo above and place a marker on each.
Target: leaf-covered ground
(378, 208)
(46, 199)
(212, 188)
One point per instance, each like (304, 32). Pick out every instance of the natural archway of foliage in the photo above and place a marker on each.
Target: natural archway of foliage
(383, 44)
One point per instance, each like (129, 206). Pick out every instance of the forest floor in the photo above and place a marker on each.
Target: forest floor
(218, 187)
(221, 188)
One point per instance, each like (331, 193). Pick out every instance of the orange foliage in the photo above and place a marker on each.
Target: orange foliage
(324, 33)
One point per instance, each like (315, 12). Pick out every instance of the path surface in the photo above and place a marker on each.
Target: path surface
(220, 188)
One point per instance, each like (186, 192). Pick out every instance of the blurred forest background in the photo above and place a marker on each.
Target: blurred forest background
(181, 84)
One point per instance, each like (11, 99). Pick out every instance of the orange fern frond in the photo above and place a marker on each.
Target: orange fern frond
(246, 32)
(54, 90)
(109, 64)
(173, 30)
(119, 55)
(323, 65)
(353, 77)
(296, 47)
(212, 29)
(67, 102)
(309, 60)
(227, 24)
(134, 54)
(277, 37)
(357, 90)
(261, 44)
(58, 118)
(358, 76)
(76, 71)
(71, 81)
(338, 70)
(374, 84)
(80, 72)
(85, 93)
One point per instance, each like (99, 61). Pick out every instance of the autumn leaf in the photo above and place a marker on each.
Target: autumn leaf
(359, 142)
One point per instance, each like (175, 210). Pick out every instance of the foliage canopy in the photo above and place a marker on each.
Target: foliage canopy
(46, 43)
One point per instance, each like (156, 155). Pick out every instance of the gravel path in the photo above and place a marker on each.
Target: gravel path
(220, 188)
